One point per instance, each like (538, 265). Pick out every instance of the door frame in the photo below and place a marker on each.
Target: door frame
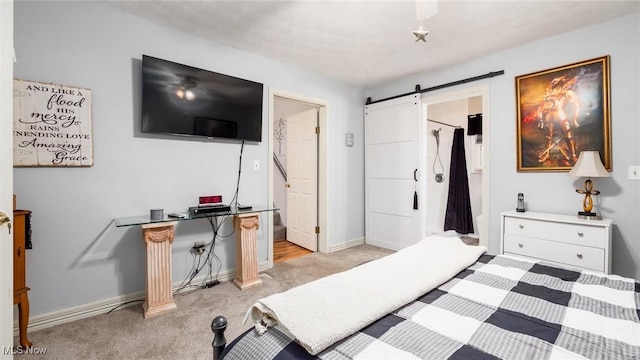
(6, 167)
(322, 163)
(482, 90)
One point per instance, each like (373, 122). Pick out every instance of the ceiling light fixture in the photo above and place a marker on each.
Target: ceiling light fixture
(424, 10)
(421, 34)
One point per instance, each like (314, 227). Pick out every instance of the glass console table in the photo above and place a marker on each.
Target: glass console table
(158, 236)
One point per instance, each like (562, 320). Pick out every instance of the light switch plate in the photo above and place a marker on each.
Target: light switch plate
(348, 139)
(634, 172)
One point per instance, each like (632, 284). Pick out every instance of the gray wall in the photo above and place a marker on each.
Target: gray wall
(554, 192)
(79, 256)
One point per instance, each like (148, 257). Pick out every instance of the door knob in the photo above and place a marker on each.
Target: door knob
(287, 185)
(4, 219)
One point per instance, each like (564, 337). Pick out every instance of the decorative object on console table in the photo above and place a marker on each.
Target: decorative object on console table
(21, 236)
(246, 226)
(158, 238)
(588, 165)
(559, 239)
(156, 214)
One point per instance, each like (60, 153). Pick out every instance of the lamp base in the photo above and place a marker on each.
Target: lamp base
(588, 215)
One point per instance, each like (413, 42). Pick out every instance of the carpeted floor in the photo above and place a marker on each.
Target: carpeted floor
(185, 333)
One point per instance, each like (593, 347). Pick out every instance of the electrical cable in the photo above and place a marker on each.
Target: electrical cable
(234, 201)
(123, 304)
(215, 227)
(210, 253)
(193, 274)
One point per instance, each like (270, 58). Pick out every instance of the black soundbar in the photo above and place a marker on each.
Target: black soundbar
(203, 210)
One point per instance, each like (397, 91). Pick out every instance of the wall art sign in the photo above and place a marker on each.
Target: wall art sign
(561, 112)
(52, 125)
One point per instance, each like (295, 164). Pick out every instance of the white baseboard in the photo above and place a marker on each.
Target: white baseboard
(83, 311)
(346, 245)
(385, 244)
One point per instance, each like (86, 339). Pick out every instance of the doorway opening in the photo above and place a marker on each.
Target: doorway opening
(284, 250)
(297, 175)
(453, 108)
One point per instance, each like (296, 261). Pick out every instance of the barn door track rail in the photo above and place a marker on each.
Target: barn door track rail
(438, 87)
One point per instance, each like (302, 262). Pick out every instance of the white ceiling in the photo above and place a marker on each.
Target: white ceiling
(370, 42)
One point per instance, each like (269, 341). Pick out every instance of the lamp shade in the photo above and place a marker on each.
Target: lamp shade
(589, 165)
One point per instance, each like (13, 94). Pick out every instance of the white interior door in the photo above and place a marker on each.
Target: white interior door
(6, 169)
(393, 146)
(302, 175)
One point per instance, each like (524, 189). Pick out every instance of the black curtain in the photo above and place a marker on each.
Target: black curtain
(458, 215)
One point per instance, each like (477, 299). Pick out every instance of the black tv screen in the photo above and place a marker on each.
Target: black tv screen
(184, 100)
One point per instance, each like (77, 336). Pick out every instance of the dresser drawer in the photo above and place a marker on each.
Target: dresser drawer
(568, 233)
(575, 255)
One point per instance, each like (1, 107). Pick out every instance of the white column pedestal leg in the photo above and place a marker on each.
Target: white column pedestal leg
(246, 226)
(158, 238)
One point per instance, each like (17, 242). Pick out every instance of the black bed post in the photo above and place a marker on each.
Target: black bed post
(218, 326)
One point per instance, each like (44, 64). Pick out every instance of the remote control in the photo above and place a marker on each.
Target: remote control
(177, 215)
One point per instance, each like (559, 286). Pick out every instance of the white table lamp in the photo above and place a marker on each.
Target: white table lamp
(588, 165)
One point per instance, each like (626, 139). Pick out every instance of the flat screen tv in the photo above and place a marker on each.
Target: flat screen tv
(184, 100)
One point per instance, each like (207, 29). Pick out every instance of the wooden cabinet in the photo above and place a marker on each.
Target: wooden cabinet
(561, 239)
(20, 289)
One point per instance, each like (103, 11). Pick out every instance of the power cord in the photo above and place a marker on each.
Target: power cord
(234, 201)
(123, 304)
(209, 280)
(187, 281)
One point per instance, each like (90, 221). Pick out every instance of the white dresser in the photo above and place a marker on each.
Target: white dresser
(561, 239)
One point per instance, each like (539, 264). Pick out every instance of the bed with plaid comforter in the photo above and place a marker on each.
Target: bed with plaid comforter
(498, 308)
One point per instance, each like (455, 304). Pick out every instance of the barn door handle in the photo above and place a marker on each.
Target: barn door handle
(415, 175)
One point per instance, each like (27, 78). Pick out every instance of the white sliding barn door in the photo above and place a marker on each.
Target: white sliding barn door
(302, 179)
(393, 148)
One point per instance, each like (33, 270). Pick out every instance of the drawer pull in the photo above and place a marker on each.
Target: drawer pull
(579, 255)
(580, 233)
(521, 226)
(520, 245)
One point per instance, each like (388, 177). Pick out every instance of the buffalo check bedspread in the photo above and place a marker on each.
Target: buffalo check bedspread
(498, 308)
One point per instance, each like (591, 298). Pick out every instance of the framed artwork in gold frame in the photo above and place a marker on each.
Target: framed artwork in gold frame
(563, 111)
